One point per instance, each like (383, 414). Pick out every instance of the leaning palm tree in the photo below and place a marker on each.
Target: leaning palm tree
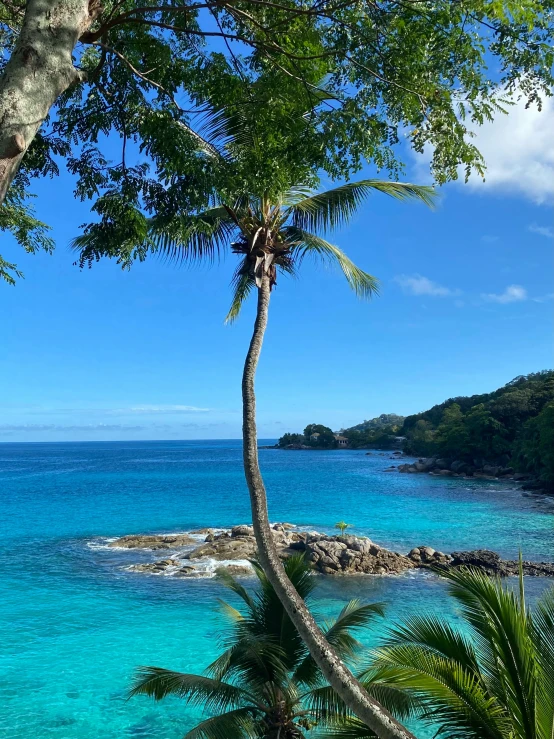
(491, 679)
(265, 684)
(272, 233)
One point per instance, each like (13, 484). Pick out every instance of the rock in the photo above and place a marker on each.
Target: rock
(492, 564)
(202, 531)
(242, 531)
(155, 568)
(519, 476)
(533, 485)
(209, 538)
(460, 467)
(484, 559)
(490, 469)
(235, 570)
(225, 548)
(445, 473)
(159, 541)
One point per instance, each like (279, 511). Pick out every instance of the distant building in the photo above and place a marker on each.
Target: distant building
(315, 437)
(341, 440)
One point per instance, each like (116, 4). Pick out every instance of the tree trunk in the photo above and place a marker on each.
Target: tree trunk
(339, 677)
(39, 70)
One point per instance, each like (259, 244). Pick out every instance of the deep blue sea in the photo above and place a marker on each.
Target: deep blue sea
(74, 622)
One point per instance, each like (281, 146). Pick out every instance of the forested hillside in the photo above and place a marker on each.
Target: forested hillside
(512, 425)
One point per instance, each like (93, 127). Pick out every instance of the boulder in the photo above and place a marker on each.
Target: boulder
(459, 467)
(442, 464)
(242, 530)
(158, 541)
(491, 469)
(225, 548)
(483, 559)
(155, 568)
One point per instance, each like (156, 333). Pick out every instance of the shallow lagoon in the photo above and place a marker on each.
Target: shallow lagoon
(75, 623)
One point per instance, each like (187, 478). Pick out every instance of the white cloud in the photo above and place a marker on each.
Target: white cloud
(518, 149)
(419, 285)
(544, 298)
(512, 294)
(519, 152)
(542, 230)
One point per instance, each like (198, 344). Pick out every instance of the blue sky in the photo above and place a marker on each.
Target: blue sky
(466, 305)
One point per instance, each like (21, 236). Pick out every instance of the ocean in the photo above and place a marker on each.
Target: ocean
(75, 622)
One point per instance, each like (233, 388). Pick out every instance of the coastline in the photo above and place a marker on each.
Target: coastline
(205, 552)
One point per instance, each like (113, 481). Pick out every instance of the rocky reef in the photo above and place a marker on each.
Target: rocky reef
(203, 552)
(476, 469)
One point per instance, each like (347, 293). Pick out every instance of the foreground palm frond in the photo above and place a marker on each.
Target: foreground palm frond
(265, 683)
(496, 680)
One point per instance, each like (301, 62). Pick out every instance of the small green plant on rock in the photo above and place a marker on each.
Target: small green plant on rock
(342, 526)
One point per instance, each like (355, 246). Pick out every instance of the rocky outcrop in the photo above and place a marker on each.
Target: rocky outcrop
(350, 555)
(428, 557)
(492, 564)
(330, 555)
(458, 468)
(240, 543)
(157, 541)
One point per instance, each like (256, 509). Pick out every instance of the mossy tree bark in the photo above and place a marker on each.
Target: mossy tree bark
(339, 677)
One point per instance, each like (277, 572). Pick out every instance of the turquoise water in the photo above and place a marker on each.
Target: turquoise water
(75, 623)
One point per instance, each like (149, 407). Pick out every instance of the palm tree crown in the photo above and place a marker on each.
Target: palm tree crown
(492, 680)
(265, 683)
(273, 236)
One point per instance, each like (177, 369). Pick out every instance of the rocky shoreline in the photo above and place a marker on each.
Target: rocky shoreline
(203, 552)
(457, 468)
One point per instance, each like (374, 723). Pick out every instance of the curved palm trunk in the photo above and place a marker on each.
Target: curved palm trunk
(339, 677)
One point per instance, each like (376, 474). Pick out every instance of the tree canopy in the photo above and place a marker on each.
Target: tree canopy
(512, 424)
(368, 75)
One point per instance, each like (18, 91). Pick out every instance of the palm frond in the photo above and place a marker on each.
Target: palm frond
(243, 282)
(214, 695)
(238, 724)
(543, 630)
(348, 728)
(334, 208)
(193, 237)
(303, 243)
(435, 634)
(453, 696)
(504, 640)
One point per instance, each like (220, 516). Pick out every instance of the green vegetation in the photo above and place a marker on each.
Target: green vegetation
(378, 433)
(265, 684)
(315, 435)
(491, 679)
(421, 72)
(512, 425)
(342, 526)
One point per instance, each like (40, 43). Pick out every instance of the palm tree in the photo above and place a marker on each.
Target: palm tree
(491, 679)
(342, 526)
(265, 684)
(272, 234)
